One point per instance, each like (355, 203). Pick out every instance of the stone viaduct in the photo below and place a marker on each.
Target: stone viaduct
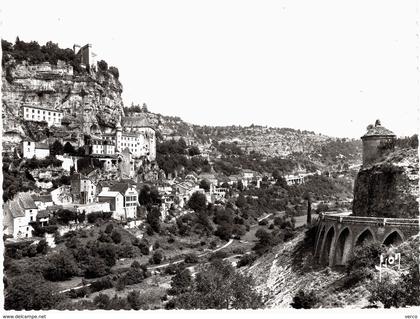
(338, 234)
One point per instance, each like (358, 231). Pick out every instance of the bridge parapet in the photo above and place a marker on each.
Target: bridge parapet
(370, 220)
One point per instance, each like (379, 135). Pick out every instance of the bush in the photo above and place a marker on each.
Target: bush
(96, 267)
(157, 257)
(114, 71)
(61, 266)
(263, 222)
(93, 217)
(116, 237)
(101, 284)
(191, 259)
(103, 66)
(109, 228)
(304, 300)
(246, 259)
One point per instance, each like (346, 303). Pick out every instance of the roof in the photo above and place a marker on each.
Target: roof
(16, 207)
(42, 146)
(42, 198)
(42, 108)
(378, 130)
(121, 187)
(26, 201)
(42, 214)
(108, 194)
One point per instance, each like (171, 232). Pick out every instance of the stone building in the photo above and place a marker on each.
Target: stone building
(88, 58)
(42, 114)
(18, 214)
(31, 149)
(376, 139)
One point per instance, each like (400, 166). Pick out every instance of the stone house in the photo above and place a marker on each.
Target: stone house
(122, 198)
(32, 149)
(83, 189)
(18, 214)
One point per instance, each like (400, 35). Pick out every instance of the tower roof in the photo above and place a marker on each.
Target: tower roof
(378, 130)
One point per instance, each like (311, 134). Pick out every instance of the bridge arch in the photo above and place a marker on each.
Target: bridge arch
(319, 241)
(394, 237)
(367, 235)
(328, 247)
(343, 246)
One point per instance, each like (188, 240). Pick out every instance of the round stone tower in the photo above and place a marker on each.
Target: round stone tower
(376, 139)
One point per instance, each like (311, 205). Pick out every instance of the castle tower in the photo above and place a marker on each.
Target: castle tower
(376, 139)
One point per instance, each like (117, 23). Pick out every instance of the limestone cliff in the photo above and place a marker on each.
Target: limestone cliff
(87, 99)
(389, 187)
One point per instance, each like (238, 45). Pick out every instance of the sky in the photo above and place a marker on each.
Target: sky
(332, 67)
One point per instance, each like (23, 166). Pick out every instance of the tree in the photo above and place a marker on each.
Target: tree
(240, 185)
(96, 267)
(144, 108)
(153, 218)
(193, 151)
(30, 292)
(133, 299)
(219, 286)
(204, 184)
(68, 148)
(181, 282)
(307, 196)
(56, 148)
(61, 266)
(197, 201)
(116, 237)
(103, 66)
(241, 201)
(149, 196)
(114, 71)
(157, 257)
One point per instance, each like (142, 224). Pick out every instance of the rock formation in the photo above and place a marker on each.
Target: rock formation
(389, 187)
(87, 99)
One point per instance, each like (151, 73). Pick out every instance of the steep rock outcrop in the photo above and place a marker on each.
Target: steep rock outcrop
(87, 99)
(390, 187)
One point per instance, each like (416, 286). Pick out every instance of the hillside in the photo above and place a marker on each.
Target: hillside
(288, 268)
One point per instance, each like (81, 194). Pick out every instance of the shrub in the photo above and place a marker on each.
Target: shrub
(191, 259)
(246, 259)
(96, 267)
(263, 222)
(109, 228)
(101, 284)
(157, 257)
(116, 237)
(304, 300)
(103, 66)
(114, 71)
(61, 266)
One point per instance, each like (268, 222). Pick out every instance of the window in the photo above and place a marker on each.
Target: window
(49, 113)
(39, 111)
(32, 218)
(33, 111)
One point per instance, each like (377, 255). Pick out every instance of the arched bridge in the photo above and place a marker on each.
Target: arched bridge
(338, 234)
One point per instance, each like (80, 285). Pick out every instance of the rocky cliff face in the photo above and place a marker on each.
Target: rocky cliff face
(390, 187)
(87, 99)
